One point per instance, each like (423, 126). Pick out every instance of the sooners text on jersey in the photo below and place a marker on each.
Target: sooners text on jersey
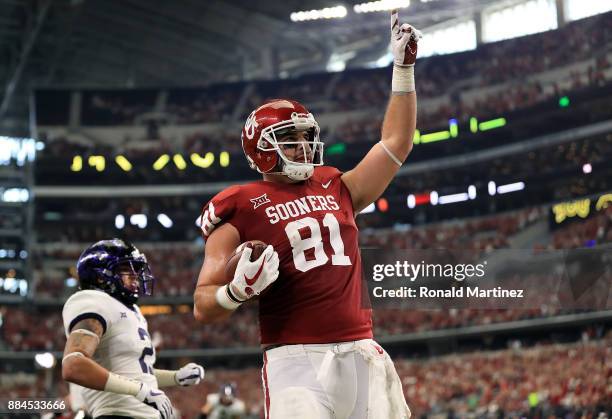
(318, 295)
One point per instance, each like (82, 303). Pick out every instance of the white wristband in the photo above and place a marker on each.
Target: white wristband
(403, 79)
(122, 385)
(165, 378)
(224, 300)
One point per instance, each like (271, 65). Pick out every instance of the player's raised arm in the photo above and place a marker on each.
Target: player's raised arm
(369, 179)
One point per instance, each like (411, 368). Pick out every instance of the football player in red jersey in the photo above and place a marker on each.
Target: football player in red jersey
(320, 360)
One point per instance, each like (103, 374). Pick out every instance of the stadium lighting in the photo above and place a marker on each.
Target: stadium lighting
(99, 162)
(77, 164)
(139, 220)
(123, 163)
(224, 159)
(179, 161)
(206, 161)
(14, 285)
(492, 124)
(492, 188)
(411, 201)
(473, 125)
(383, 205)
(336, 12)
(161, 162)
(435, 136)
(369, 209)
(15, 195)
(119, 222)
(511, 187)
(433, 197)
(384, 61)
(472, 192)
(45, 360)
(453, 127)
(381, 5)
(451, 199)
(18, 149)
(338, 148)
(587, 168)
(164, 220)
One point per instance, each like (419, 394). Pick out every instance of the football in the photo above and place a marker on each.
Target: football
(258, 248)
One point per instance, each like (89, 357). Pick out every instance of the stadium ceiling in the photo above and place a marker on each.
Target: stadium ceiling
(153, 42)
(136, 43)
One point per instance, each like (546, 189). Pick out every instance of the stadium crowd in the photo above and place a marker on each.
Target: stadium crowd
(547, 380)
(460, 76)
(176, 265)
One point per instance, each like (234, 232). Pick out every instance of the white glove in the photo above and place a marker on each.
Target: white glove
(190, 374)
(158, 400)
(251, 278)
(404, 40)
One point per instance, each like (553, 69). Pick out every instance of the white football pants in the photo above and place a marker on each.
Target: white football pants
(349, 380)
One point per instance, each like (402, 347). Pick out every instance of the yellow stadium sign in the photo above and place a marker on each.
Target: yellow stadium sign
(603, 201)
(580, 208)
(205, 161)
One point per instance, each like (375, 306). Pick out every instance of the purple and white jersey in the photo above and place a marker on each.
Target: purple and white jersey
(125, 348)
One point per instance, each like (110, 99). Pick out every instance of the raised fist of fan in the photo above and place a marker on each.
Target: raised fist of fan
(404, 39)
(255, 269)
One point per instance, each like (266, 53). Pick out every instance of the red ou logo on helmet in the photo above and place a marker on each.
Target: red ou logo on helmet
(250, 125)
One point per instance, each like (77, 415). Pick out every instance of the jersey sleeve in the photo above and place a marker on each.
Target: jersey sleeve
(222, 208)
(85, 305)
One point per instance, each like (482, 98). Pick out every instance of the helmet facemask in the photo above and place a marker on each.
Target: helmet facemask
(310, 152)
(112, 280)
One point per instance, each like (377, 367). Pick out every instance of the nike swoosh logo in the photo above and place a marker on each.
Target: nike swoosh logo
(325, 185)
(251, 281)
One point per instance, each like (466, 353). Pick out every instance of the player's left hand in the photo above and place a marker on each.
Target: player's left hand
(190, 375)
(404, 39)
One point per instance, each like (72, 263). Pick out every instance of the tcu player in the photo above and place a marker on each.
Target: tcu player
(319, 357)
(109, 351)
(223, 405)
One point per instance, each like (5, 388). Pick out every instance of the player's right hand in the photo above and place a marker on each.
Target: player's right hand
(158, 400)
(251, 278)
(404, 39)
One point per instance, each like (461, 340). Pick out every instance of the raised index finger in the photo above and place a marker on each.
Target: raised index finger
(394, 21)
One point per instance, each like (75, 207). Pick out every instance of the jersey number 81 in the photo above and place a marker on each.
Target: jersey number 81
(315, 241)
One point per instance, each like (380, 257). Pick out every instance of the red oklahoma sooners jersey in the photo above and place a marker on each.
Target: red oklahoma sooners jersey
(311, 224)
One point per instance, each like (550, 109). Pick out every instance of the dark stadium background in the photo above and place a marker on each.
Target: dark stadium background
(167, 86)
